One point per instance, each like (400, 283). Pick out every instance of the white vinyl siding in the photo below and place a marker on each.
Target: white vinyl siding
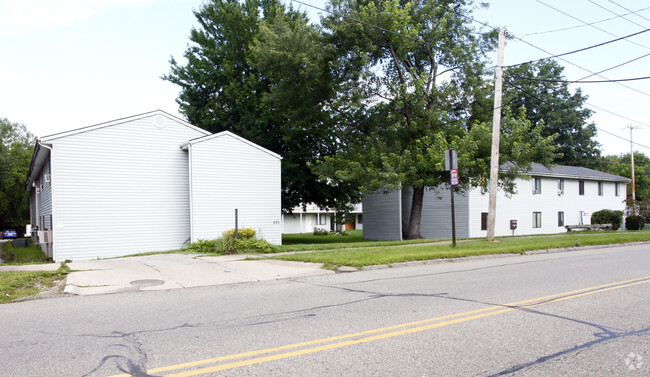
(229, 173)
(122, 189)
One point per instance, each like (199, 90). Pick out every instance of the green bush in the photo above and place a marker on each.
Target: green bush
(634, 222)
(608, 216)
(229, 245)
(254, 244)
(321, 232)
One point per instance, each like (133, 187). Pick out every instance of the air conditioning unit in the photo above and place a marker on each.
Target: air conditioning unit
(44, 236)
(560, 192)
(47, 178)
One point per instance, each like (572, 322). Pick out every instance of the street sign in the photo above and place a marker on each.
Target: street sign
(454, 177)
(451, 159)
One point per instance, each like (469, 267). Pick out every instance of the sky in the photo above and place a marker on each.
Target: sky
(67, 64)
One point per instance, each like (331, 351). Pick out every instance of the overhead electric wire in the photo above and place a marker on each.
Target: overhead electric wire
(634, 12)
(586, 23)
(544, 100)
(583, 49)
(616, 66)
(589, 24)
(581, 82)
(612, 12)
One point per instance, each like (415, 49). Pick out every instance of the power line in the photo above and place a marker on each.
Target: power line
(584, 48)
(636, 13)
(546, 102)
(589, 24)
(586, 23)
(612, 12)
(580, 82)
(616, 66)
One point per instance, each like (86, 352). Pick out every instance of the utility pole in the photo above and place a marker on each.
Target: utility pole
(496, 133)
(632, 161)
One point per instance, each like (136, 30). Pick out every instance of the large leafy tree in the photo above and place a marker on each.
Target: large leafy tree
(540, 88)
(16, 146)
(258, 68)
(621, 165)
(417, 77)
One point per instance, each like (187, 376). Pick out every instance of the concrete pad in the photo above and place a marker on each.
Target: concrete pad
(174, 271)
(32, 267)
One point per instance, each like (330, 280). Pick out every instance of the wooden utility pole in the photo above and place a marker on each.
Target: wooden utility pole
(632, 161)
(496, 133)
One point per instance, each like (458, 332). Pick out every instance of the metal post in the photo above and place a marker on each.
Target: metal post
(453, 213)
(236, 222)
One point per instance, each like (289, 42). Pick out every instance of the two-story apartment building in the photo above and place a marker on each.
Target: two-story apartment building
(544, 203)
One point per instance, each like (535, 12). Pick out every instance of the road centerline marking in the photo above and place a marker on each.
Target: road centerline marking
(384, 332)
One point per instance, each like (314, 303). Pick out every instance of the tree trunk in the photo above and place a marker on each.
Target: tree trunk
(416, 214)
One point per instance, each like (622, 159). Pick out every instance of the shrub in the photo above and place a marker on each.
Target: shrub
(243, 233)
(608, 216)
(254, 244)
(634, 222)
(229, 245)
(320, 232)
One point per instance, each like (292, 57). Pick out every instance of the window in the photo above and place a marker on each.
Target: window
(537, 186)
(484, 220)
(537, 219)
(560, 186)
(560, 218)
(617, 190)
(360, 219)
(600, 188)
(322, 220)
(581, 187)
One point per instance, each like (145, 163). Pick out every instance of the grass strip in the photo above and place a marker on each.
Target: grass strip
(31, 254)
(369, 256)
(20, 284)
(308, 241)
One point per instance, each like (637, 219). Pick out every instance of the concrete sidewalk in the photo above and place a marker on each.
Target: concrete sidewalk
(172, 271)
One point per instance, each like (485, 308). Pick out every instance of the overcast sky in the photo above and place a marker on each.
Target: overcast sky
(67, 64)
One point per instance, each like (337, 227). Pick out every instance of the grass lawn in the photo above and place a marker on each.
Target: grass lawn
(307, 241)
(31, 254)
(368, 256)
(19, 284)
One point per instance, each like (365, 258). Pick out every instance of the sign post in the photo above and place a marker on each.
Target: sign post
(451, 164)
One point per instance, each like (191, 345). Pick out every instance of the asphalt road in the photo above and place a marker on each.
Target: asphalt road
(577, 313)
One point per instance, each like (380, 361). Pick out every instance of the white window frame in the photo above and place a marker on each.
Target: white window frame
(537, 186)
(601, 188)
(537, 219)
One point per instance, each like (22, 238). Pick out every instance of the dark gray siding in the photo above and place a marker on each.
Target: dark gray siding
(436, 214)
(382, 216)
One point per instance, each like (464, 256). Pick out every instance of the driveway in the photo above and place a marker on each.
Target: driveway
(174, 271)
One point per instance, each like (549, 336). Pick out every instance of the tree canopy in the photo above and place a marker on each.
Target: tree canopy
(539, 88)
(621, 165)
(419, 76)
(16, 148)
(259, 69)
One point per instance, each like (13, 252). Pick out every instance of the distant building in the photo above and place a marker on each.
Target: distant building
(543, 204)
(150, 182)
(305, 220)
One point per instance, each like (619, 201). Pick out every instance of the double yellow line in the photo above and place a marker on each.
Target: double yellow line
(255, 357)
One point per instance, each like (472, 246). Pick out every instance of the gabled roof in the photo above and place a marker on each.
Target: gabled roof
(120, 121)
(576, 172)
(228, 133)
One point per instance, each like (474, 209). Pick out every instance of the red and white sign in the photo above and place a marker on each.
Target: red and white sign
(454, 177)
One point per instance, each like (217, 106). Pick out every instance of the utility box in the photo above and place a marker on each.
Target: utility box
(513, 224)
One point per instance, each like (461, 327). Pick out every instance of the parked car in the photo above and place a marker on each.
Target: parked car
(9, 233)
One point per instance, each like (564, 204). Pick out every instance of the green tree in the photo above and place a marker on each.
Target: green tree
(15, 156)
(258, 69)
(621, 165)
(417, 80)
(562, 112)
